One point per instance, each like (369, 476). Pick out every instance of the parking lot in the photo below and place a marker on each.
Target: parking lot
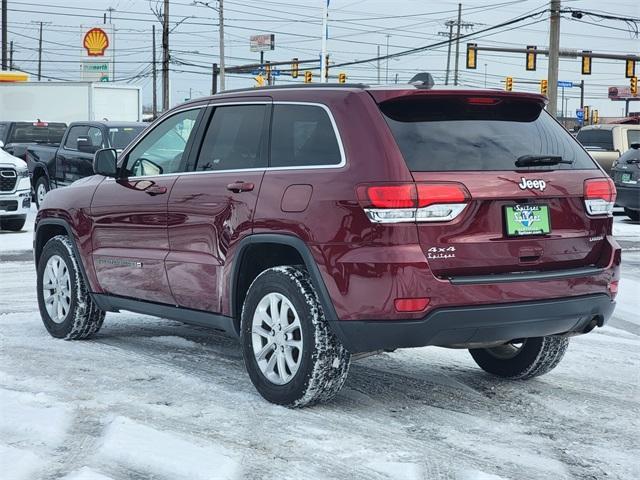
(150, 398)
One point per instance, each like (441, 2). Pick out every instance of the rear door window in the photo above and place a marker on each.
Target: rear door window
(596, 138)
(455, 133)
(234, 139)
(303, 136)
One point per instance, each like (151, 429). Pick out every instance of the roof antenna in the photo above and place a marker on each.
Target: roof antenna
(422, 80)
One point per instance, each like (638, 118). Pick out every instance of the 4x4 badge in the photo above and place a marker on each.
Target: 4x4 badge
(537, 183)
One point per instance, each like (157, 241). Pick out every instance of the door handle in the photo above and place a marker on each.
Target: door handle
(155, 190)
(239, 186)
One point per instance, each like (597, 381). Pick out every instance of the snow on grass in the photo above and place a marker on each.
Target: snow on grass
(19, 464)
(166, 454)
(85, 473)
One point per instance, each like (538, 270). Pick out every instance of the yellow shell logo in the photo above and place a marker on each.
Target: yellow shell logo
(96, 42)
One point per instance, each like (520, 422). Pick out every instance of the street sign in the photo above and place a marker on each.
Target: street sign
(275, 73)
(257, 71)
(580, 114)
(563, 84)
(261, 43)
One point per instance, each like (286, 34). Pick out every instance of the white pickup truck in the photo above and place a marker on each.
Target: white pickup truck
(606, 142)
(15, 192)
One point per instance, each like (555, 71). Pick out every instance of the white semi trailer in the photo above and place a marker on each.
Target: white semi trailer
(70, 102)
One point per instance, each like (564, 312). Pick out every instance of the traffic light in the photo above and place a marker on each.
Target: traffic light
(508, 84)
(633, 83)
(267, 71)
(295, 68)
(544, 86)
(586, 62)
(531, 57)
(630, 70)
(326, 63)
(472, 56)
(585, 111)
(595, 117)
(308, 76)
(342, 77)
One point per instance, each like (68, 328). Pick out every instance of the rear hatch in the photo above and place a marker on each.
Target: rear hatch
(503, 214)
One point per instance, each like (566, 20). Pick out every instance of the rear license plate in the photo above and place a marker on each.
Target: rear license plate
(626, 178)
(527, 220)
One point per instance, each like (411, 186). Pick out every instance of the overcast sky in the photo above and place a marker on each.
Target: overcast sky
(356, 29)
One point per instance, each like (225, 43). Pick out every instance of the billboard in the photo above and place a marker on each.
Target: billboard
(621, 94)
(261, 43)
(97, 53)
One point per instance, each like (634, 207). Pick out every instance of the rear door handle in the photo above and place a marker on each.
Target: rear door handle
(155, 190)
(239, 186)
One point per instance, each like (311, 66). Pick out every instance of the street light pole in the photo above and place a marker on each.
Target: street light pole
(221, 19)
(554, 57)
(324, 74)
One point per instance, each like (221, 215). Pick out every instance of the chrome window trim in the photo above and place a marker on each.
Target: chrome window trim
(343, 157)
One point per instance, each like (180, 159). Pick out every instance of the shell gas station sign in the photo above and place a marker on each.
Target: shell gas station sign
(97, 53)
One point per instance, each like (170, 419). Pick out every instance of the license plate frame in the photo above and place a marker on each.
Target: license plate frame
(527, 219)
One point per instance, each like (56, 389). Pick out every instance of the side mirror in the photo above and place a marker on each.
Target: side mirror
(105, 162)
(83, 144)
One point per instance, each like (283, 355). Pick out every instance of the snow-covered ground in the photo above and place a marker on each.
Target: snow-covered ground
(155, 399)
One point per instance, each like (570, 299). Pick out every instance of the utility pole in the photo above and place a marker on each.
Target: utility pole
(324, 73)
(113, 45)
(378, 62)
(450, 24)
(554, 57)
(11, 55)
(4, 34)
(386, 72)
(165, 56)
(40, 54)
(154, 104)
(581, 93)
(221, 20)
(455, 75)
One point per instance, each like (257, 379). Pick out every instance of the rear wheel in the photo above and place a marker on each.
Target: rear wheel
(291, 355)
(521, 360)
(42, 187)
(66, 307)
(13, 224)
(632, 214)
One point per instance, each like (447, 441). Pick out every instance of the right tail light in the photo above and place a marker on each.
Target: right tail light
(599, 196)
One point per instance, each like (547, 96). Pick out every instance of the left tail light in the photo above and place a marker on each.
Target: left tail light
(410, 202)
(599, 196)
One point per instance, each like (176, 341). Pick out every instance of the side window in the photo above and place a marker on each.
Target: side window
(95, 137)
(161, 151)
(233, 139)
(633, 136)
(302, 136)
(71, 143)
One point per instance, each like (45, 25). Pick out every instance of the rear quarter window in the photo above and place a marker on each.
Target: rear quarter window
(451, 134)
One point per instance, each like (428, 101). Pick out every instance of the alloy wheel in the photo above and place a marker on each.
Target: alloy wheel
(56, 288)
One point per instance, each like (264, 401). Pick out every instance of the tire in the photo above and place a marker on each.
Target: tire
(41, 189)
(536, 356)
(322, 362)
(12, 224)
(78, 317)
(632, 214)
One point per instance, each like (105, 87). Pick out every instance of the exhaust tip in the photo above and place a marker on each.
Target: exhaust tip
(596, 321)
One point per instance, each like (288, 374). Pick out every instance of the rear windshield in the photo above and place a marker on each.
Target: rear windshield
(633, 136)
(24, 132)
(442, 134)
(596, 138)
(120, 137)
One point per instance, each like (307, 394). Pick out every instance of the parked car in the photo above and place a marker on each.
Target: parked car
(58, 165)
(16, 136)
(322, 223)
(15, 192)
(626, 176)
(606, 142)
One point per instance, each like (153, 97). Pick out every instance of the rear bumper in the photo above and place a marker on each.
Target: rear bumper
(483, 324)
(628, 197)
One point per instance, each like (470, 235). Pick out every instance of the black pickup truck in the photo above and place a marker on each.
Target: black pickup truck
(15, 137)
(57, 166)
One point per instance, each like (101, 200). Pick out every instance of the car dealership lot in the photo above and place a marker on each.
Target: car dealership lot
(150, 398)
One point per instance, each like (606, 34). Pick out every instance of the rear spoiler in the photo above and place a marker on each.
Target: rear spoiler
(385, 95)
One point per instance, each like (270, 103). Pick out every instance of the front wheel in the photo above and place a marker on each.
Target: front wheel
(524, 359)
(291, 355)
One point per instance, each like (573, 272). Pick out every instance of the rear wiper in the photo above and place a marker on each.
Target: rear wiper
(535, 160)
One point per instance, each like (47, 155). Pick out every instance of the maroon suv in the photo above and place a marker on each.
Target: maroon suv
(319, 223)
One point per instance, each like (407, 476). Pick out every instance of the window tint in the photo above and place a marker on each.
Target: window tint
(633, 136)
(301, 136)
(161, 151)
(42, 132)
(448, 133)
(596, 138)
(120, 137)
(71, 143)
(233, 139)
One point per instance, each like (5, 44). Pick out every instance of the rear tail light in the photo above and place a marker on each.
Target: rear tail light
(599, 196)
(613, 289)
(423, 202)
